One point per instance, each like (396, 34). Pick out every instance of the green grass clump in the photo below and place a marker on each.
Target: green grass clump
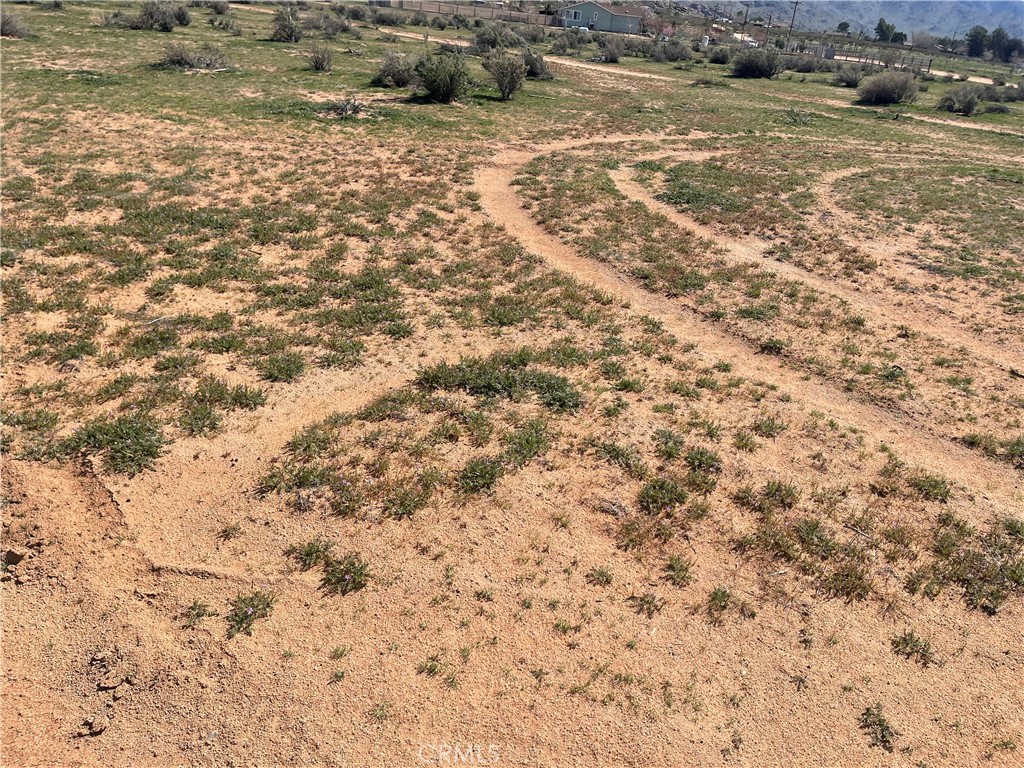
(988, 567)
(505, 376)
(480, 475)
(874, 723)
(247, 609)
(404, 499)
(312, 553)
(526, 443)
(346, 574)
(128, 444)
(678, 571)
(719, 601)
(909, 645)
(626, 458)
(661, 495)
(931, 487)
(703, 460)
(282, 367)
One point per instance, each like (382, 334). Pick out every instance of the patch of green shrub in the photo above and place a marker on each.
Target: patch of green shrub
(888, 88)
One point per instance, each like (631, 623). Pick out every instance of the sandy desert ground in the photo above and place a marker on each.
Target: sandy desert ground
(654, 417)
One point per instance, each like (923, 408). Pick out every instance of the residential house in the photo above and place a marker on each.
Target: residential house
(604, 17)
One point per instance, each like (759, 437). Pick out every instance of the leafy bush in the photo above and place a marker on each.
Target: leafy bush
(180, 56)
(320, 57)
(756, 62)
(673, 50)
(387, 18)
(334, 27)
(612, 48)
(508, 71)
(534, 34)
(161, 16)
(848, 77)
(497, 36)
(445, 77)
(396, 70)
(12, 26)
(536, 67)
(962, 99)
(286, 26)
(888, 88)
(719, 55)
(154, 14)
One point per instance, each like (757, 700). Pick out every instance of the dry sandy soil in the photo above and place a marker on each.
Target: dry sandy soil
(561, 616)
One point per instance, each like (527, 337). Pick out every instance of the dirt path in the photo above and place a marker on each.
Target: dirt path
(253, 8)
(174, 512)
(915, 443)
(608, 70)
(971, 78)
(748, 251)
(557, 60)
(839, 104)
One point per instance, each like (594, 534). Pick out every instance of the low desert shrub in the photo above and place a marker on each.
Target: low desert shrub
(320, 57)
(756, 62)
(444, 77)
(508, 71)
(612, 48)
(719, 55)
(287, 28)
(181, 56)
(848, 77)
(12, 26)
(962, 99)
(396, 71)
(496, 36)
(536, 67)
(888, 88)
(160, 16)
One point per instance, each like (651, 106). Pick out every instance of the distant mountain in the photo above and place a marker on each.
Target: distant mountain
(938, 17)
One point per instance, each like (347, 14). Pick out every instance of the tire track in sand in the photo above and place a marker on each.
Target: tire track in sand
(919, 319)
(1001, 486)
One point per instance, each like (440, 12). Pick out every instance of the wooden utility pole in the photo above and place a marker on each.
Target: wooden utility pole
(792, 21)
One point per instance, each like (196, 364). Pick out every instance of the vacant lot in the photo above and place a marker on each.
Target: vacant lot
(652, 416)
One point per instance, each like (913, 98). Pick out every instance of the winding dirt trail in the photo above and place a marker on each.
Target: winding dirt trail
(918, 318)
(166, 509)
(1003, 488)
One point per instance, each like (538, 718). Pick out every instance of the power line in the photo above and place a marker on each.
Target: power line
(793, 20)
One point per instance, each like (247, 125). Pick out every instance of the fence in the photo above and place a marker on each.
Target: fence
(469, 10)
(880, 58)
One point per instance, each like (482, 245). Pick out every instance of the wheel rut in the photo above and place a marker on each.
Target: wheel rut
(1001, 485)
